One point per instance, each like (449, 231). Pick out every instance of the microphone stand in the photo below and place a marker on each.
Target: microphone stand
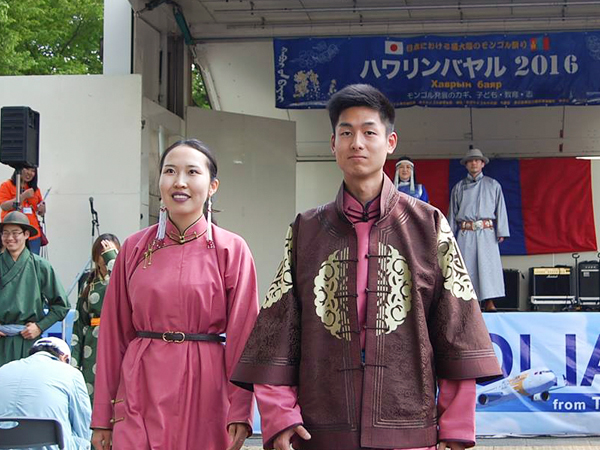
(87, 266)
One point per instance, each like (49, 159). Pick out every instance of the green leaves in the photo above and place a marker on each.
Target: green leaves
(50, 37)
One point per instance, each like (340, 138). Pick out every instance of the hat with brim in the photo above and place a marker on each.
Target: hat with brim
(20, 219)
(474, 153)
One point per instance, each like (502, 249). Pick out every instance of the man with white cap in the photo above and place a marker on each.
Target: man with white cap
(44, 385)
(478, 218)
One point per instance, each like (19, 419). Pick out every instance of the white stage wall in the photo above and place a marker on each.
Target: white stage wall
(89, 147)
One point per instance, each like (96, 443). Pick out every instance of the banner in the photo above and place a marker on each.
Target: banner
(551, 362)
(548, 200)
(444, 71)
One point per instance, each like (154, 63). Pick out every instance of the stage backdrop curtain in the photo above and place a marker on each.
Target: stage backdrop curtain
(549, 200)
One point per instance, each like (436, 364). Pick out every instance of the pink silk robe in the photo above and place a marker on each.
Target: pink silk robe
(279, 407)
(164, 395)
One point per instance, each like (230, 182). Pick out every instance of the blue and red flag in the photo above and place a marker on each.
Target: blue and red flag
(549, 200)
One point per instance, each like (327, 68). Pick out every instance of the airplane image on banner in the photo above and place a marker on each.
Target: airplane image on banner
(534, 384)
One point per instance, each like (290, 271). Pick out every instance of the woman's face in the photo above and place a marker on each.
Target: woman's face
(404, 171)
(185, 184)
(27, 174)
(14, 239)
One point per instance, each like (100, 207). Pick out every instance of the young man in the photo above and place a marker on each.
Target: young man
(477, 215)
(371, 307)
(44, 385)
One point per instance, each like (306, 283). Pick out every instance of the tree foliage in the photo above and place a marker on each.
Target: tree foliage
(199, 94)
(50, 37)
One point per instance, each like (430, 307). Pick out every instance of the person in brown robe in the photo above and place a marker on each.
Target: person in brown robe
(371, 309)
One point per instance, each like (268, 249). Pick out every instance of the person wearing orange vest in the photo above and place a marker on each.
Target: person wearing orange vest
(31, 204)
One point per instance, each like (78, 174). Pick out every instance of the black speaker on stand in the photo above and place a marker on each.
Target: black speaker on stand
(19, 141)
(19, 137)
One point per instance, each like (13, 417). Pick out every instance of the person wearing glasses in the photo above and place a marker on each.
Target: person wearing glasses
(31, 205)
(28, 283)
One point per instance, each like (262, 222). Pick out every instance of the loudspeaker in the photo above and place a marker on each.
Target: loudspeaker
(589, 281)
(551, 281)
(512, 283)
(19, 136)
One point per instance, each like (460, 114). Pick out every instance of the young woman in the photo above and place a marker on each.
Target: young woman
(28, 284)
(163, 364)
(406, 182)
(89, 307)
(32, 203)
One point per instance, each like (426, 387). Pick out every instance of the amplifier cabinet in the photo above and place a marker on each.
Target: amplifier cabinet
(589, 283)
(512, 284)
(551, 285)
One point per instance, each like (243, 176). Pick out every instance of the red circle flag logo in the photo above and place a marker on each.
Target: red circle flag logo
(394, 48)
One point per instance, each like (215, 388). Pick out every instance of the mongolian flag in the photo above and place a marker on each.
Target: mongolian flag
(549, 200)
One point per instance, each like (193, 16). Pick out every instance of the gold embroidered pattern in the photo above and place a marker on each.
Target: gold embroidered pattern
(283, 278)
(331, 294)
(454, 270)
(394, 275)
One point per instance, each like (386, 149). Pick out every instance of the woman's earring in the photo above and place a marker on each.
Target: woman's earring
(162, 223)
(209, 235)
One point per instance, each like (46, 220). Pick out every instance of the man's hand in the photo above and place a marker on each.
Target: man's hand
(31, 331)
(41, 208)
(102, 439)
(500, 240)
(282, 442)
(27, 194)
(238, 432)
(2, 334)
(443, 445)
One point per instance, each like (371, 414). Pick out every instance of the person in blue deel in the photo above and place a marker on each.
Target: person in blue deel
(406, 182)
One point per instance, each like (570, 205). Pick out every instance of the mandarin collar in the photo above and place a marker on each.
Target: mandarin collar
(194, 231)
(477, 178)
(388, 197)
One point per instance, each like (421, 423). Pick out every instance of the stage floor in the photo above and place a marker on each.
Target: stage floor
(537, 443)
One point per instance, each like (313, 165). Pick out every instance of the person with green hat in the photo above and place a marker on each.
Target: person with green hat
(28, 283)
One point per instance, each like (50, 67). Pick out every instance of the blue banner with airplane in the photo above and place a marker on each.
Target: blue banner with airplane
(551, 363)
(496, 70)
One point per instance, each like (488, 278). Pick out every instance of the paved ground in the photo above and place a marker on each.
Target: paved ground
(538, 443)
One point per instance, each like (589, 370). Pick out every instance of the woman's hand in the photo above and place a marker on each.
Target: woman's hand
(238, 432)
(27, 194)
(107, 245)
(41, 208)
(31, 331)
(102, 439)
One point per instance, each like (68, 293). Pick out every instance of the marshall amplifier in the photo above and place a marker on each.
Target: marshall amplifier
(551, 285)
(589, 283)
(512, 284)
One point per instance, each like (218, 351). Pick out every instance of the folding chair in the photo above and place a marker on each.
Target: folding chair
(26, 432)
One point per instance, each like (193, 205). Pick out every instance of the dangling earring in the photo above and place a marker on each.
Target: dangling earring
(162, 222)
(209, 236)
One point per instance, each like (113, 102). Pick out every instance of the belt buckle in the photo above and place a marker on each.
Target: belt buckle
(172, 333)
(477, 225)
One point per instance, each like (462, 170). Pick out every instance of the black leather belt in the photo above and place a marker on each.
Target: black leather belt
(179, 336)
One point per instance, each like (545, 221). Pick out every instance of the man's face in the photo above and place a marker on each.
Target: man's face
(475, 166)
(361, 143)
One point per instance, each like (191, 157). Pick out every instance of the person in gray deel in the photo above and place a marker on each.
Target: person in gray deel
(478, 218)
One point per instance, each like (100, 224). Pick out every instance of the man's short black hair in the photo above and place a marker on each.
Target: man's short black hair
(361, 95)
(45, 348)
